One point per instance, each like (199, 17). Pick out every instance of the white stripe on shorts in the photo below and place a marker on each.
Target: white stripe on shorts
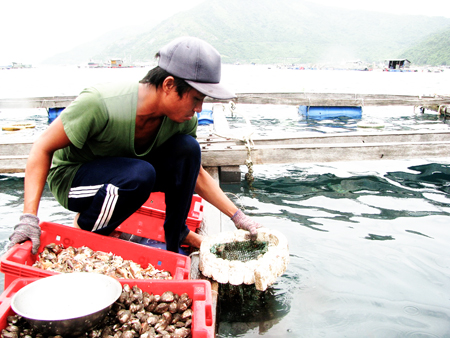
(86, 191)
(107, 208)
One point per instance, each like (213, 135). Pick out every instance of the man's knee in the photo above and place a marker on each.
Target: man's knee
(139, 174)
(189, 146)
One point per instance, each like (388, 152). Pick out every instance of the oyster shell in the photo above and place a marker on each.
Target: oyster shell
(56, 258)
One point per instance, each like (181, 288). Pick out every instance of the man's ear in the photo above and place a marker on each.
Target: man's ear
(168, 84)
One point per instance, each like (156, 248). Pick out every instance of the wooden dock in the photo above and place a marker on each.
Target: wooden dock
(220, 152)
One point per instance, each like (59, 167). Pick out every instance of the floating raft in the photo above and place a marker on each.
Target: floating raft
(18, 126)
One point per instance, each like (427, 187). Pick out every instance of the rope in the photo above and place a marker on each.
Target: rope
(247, 139)
(248, 162)
(238, 199)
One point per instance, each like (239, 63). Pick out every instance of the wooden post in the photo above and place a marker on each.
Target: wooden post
(230, 174)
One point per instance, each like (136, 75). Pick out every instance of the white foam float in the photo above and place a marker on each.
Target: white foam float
(262, 271)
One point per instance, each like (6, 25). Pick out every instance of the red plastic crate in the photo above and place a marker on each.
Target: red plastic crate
(148, 220)
(17, 261)
(156, 201)
(198, 290)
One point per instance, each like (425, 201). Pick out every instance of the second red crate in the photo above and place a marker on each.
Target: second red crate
(148, 220)
(198, 290)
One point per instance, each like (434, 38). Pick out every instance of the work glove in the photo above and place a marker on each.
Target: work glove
(28, 228)
(242, 221)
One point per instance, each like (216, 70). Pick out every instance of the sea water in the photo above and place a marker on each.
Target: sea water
(369, 241)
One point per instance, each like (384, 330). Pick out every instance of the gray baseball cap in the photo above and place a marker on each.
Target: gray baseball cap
(198, 63)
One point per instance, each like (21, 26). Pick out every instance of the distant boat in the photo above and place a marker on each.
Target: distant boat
(397, 65)
(115, 63)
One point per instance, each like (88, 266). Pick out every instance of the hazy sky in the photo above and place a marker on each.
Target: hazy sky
(32, 30)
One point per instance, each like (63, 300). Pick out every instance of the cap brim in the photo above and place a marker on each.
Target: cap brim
(214, 90)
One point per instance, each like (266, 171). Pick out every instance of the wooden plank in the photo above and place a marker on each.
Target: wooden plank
(23, 148)
(300, 153)
(360, 137)
(212, 217)
(16, 148)
(340, 99)
(37, 102)
(13, 164)
(351, 137)
(217, 152)
(294, 153)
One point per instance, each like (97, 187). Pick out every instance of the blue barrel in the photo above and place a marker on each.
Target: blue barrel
(53, 113)
(205, 117)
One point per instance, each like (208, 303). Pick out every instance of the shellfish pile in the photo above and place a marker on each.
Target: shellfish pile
(134, 314)
(57, 258)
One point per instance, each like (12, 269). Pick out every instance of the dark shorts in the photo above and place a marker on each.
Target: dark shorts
(108, 190)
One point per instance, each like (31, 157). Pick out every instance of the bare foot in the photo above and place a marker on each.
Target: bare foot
(193, 239)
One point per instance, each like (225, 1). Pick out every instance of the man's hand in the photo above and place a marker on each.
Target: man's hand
(242, 221)
(28, 228)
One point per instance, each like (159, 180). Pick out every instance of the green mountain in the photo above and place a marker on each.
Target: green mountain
(283, 31)
(433, 50)
(89, 50)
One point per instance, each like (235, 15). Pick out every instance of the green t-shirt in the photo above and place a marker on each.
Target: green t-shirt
(100, 122)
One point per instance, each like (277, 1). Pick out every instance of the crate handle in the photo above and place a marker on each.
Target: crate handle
(208, 315)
